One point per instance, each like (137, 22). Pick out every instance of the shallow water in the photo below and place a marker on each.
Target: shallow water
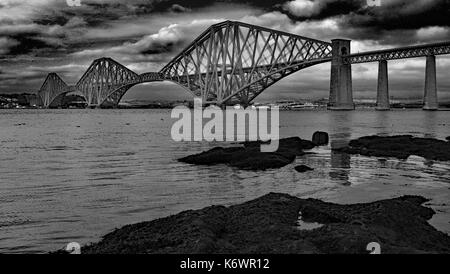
(75, 175)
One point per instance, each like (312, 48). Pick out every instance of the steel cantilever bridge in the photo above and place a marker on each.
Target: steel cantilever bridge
(234, 62)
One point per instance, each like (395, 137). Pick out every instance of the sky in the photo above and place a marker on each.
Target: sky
(42, 36)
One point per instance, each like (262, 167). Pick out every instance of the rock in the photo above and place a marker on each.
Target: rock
(242, 158)
(268, 226)
(448, 138)
(294, 145)
(400, 147)
(321, 138)
(250, 157)
(303, 169)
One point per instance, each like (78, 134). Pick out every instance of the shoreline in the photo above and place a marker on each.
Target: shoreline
(283, 224)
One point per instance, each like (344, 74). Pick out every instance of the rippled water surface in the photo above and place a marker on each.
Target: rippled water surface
(75, 175)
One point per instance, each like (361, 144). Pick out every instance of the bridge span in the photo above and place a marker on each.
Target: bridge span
(233, 63)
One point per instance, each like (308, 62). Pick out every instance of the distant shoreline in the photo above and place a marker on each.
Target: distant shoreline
(30, 101)
(169, 108)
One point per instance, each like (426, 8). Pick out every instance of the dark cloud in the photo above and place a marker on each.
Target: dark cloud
(53, 19)
(161, 47)
(179, 9)
(28, 44)
(394, 22)
(394, 15)
(164, 5)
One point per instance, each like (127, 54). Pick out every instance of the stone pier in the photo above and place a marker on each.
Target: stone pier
(341, 92)
(430, 98)
(383, 87)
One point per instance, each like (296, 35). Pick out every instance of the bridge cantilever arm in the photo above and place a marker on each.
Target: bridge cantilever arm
(399, 53)
(299, 66)
(206, 34)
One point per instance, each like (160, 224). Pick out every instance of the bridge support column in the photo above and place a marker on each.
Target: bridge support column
(341, 91)
(383, 87)
(430, 98)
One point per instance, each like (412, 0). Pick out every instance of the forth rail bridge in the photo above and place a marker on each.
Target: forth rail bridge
(233, 62)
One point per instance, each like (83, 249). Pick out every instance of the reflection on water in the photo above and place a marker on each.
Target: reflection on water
(75, 175)
(382, 123)
(430, 124)
(341, 136)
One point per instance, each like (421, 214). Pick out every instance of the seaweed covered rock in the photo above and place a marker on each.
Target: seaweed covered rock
(270, 225)
(250, 157)
(294, 145)
(400, 147)
(242, 158)
(321, 138)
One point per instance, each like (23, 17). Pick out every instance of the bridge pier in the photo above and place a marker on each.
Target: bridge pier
(383, 87)
(341, 91)
(430, 98)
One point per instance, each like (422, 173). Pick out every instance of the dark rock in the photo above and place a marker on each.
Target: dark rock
(321, 138)
(250, 156)
(303, 169)
(242, 158)
(400, 147)
(294, 145)
(448, 138)
(268, 225)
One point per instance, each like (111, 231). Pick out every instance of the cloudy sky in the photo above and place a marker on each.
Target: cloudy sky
(42, 36)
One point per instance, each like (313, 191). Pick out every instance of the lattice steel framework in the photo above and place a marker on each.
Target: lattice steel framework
(233, 62)
(399, 53)
(52, 88)
(103, 79)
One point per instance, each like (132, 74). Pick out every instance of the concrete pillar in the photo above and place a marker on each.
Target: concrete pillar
(430, 98)
(383, 87)
(341, 92)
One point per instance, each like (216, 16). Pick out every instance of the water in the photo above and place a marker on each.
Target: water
(75, 175)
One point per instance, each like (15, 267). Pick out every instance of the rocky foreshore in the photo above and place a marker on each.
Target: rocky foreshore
(282, 224)
(249, 155)
(400, 147)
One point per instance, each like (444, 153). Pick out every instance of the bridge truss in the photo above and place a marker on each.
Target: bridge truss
(105, 81)
(233, 62)
(52, 88)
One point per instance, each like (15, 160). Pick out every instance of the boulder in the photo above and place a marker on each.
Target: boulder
(321, 138)
(401, 147)
(294, 145)
(303, 169)
(242, 158)
(250, 157)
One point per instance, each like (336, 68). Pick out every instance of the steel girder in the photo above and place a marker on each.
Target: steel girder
(103, 79)
(52, 88)
(103, 84)
(233, 62)
(118, 91)
(399, 53)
